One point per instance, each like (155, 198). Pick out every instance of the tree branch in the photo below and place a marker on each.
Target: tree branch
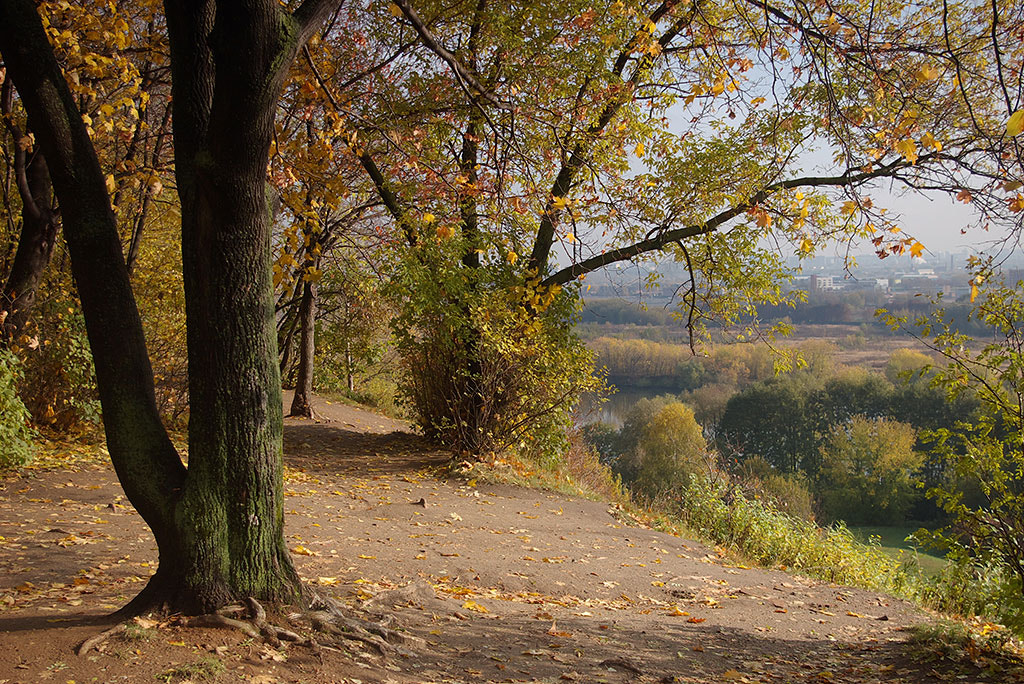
(461, 72)
(667, 237)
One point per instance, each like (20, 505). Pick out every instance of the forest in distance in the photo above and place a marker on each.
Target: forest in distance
(754, 407)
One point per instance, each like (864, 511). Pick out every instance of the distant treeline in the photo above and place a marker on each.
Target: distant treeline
(673, 367)
(821, 308)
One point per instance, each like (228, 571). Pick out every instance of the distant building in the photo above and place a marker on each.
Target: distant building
(825, 283)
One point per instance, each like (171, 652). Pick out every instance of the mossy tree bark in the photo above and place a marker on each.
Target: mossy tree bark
(218, 524)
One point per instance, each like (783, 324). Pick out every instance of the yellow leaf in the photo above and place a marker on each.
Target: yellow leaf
(474, 606)
(428, 219)
(512, 257)
(732, 675)
(395, 10)
(927, 73)
(365, 557)
(559, 203)
(916, 249)
(1016, 123)
(302, 551)
(111, 183)
(908, 150)
(806, 245)
(928, 140)
(974, 292)
(639, 149)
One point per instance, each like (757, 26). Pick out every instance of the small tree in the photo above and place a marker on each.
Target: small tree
(987, 454)
(671, 448)
(867, 471)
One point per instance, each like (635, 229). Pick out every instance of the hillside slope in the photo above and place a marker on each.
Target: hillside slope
(489, 583)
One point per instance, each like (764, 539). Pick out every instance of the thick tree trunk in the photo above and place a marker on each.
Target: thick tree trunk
(227, 72)
(35, 246)
(219, 527)
(302, 401)
(145, 460)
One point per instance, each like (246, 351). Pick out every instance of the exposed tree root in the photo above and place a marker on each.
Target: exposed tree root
(331, 617)
(325, 615)
(94, 642)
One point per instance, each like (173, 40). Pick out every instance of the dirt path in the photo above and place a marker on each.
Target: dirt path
(502, 584)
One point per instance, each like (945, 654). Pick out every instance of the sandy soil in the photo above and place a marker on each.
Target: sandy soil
(491, 584)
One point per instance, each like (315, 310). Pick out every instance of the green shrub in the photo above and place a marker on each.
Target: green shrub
(790, 495)
(489, 358)
(16, 435)
(987, 590)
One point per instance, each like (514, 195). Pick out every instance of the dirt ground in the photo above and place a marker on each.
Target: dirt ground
(489, 583)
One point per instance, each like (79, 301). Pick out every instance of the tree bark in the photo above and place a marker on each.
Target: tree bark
(218, 526)
(39, 226)
(302, 401)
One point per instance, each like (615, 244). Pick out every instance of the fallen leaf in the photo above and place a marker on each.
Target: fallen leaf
(474, 606)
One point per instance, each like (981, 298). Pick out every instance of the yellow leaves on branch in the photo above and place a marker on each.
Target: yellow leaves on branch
(927, 73)
(1015, 125)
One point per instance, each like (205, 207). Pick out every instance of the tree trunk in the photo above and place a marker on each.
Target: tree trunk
(302, 401)
(145, 460)
(219, 527)
(348, 367)
(39, 226)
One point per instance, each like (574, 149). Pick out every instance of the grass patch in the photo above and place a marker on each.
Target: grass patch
(893, 541)
(206, 668)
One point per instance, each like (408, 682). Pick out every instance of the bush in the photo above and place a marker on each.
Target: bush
(59, 387)
(16, 435)
(489, 357)
(966, 587)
